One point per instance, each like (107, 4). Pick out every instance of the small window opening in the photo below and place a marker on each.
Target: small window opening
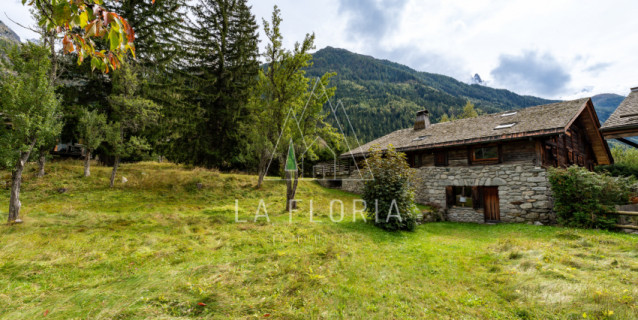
(505, 125)
(463, 197)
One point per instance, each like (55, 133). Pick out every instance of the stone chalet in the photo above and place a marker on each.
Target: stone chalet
(494, 167)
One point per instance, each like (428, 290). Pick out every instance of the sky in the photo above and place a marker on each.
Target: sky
(559, 49)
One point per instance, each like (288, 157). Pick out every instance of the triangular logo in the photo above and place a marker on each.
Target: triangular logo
(291, 161)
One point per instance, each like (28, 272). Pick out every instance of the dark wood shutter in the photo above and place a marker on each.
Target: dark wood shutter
(440, 158)
(477, 197)
(492, 210)
(449, 196)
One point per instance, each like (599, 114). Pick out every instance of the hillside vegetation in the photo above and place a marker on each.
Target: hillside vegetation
(382, 96)
(606, 104)
(160, 247)
(8, 34)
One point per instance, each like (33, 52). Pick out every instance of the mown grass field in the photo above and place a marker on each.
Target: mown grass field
(158, 247)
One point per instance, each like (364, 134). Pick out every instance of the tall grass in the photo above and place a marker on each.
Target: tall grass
(159, 247)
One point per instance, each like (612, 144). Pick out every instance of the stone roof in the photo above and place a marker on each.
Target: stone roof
(528, 122)
(625, 116)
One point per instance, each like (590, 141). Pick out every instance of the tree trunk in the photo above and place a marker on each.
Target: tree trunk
(14, 202)
(291, 189)
(263, 167)
(262, 173)
(41, 162)
(115, 165)
(87, 164)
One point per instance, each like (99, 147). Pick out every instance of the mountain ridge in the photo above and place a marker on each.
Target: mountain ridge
(7, 33)
(605, 104)
(381, 96)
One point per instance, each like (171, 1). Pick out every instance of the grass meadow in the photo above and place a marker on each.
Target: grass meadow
(160, 247)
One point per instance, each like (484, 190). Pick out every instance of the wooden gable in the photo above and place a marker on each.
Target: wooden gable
(589, 119)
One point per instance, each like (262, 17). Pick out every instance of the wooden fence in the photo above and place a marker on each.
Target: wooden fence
(332, 170)
(628, 218)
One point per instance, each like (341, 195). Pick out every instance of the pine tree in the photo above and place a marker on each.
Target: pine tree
(160, 30)
(224, 68)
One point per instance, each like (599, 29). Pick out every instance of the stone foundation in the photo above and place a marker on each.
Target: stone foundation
(523, 190)
(461, 214)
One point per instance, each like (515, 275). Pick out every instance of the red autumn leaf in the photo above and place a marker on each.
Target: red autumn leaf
(46, 312)
(267, 315)
(68, 45)
(201, 304)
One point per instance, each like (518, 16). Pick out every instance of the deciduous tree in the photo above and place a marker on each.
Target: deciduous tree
(80, 22)
(92, 131)
(469, 111)
(130, 115)
(285, 107)
(27, 99)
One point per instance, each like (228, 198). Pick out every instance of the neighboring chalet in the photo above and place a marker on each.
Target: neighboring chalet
(493, 168)
(623, 122)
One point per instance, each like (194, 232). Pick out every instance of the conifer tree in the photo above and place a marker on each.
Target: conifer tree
(223, 68)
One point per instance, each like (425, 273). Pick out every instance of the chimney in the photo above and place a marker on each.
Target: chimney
(422, 120)
(634, 89)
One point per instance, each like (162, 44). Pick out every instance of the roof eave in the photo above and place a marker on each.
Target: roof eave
(467, 142)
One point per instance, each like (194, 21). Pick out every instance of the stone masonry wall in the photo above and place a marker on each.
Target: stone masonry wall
(523, 190)
(465, 215)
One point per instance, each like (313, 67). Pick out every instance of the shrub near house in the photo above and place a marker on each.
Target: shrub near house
(585, 199)
(388, 193)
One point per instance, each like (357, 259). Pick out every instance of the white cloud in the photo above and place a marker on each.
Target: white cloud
(592, 41)
(14, 10)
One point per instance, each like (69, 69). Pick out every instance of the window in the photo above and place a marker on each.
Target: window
(440, 158)
(505, 126)
(420, 138)
(509, 114)
(463, 197)
(489, 153)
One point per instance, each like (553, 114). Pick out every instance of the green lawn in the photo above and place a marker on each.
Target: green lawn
(158, 247)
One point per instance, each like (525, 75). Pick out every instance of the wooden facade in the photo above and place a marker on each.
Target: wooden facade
(573, 147)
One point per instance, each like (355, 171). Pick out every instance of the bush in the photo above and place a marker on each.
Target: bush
(618, 170)
(388, 194)
(585, 199)
(626, 162)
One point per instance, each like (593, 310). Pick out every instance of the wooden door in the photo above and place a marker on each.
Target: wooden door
(490, 202)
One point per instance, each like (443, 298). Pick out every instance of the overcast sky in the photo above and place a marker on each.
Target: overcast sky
(549, 48)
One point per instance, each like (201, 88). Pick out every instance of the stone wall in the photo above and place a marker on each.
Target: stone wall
(523, 189)
(460, 214)
(352, 185)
